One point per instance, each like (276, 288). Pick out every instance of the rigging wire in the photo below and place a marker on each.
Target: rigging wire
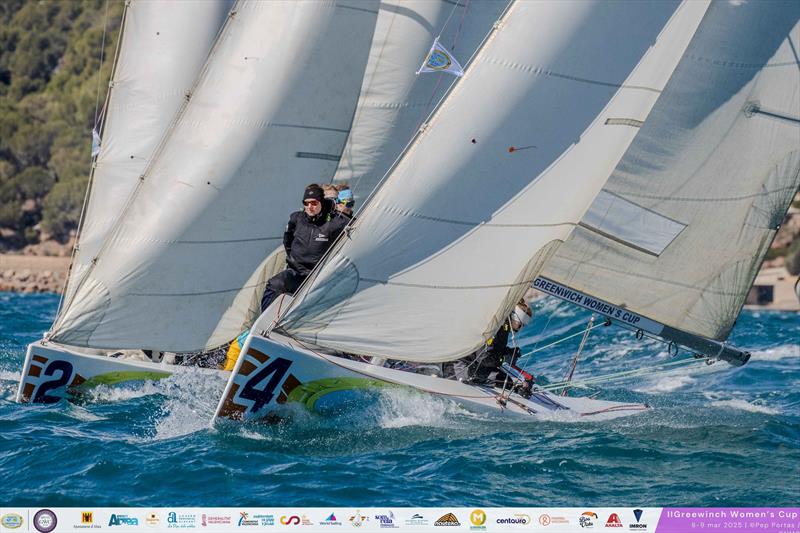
(97, 118)
(100, 71)
(578, 353)
(627, 374)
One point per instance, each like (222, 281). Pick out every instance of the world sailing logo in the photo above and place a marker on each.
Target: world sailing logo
(331, 521)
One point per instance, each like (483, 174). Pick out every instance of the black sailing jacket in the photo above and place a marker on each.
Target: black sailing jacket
(306, 241)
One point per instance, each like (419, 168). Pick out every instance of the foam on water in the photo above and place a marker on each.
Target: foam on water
(403, 407)
(711, 432)
(665, 383)
(744, 405)
(778, 353)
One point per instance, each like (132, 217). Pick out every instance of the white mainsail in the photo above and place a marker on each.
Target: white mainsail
(164, 45)
(506, 167)
(269, 113)
(679, 232)
(394, 100)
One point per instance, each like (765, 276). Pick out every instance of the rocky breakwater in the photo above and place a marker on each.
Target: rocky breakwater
(27, 273)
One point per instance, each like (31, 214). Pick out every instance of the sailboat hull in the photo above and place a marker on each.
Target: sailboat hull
(275, 375)
(52, 372)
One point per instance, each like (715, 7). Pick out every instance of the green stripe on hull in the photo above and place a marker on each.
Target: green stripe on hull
(310, 393)
(114, 378)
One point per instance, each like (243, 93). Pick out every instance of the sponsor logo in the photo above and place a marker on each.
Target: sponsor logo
(358, 519)
(180, 520)
(11, 521)
(439, 60)
(447, 520)
(216, 520)
(290, 520)
(587, 519)
(546, 520)
(386, 520)
(478, 518)
(639, 525)
(331, 521)
(517, 519)
(87, 521)
(123, 520)
(265, 519)
(152, 519)
(613, 520)
(45, 521)
(245, 520)
(417, 520)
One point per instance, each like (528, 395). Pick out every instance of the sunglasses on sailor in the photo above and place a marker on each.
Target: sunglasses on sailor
(311, 202)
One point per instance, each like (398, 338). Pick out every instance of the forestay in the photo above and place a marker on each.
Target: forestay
(269, 113)
(508, 164)
(159, 58)
(681, 228)
(394, 101)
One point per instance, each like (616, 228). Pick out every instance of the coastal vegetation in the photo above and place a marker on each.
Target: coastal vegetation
(56, 58)
(52, 86)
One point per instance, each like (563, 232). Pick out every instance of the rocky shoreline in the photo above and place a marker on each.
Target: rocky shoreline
(32, 273)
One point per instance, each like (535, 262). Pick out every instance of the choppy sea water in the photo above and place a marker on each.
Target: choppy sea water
(716, 436)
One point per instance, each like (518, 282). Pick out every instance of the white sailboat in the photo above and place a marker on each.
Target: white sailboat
(606, 171)
(193, 177)
(180, 262)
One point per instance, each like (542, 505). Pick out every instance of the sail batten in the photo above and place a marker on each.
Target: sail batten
(710, 163)
(516, 153)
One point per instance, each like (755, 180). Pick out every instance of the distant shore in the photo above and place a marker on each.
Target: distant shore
(33, 273)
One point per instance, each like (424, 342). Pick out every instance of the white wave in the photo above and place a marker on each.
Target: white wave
(81, 413)
(10, 376)
(786, 351)
(744, 405)
(192, 397)
(665, 383)
(402, 407)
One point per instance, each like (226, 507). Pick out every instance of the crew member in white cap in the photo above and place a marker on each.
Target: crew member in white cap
(485, 365)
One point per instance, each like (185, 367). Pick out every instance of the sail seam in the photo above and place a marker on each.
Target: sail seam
(709, 199)
(540, 71)
(198, 293)
(473, 223)
(305, 127)
(751, 66)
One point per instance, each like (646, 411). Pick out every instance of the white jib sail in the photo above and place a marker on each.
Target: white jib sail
(509, 163)
(679, 232)
(164, 45)
(395, 101)
(269, 114)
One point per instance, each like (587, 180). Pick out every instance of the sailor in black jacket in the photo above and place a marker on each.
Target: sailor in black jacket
(308, 236)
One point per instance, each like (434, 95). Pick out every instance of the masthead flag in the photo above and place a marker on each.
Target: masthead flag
(440, 60)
